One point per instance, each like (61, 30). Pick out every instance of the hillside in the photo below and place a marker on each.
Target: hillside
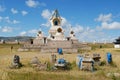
(18, 38)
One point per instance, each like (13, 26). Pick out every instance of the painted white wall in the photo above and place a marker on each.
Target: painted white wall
(117, 46)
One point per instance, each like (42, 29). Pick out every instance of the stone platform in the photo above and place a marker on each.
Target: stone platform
(52, 46)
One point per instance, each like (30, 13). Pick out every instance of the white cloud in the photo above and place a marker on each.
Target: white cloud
(29, 32)
(24, 13)
(23, 33)
(78, 28)
(2, 9)
(89, 35)
(15, 22)
(6, 29)
(47, 24)
(66, 26)
(7, 19)
(32, 3)
(98, 34)
(107, 23)
(65, 23)
(46, 14)
(113, 25)
(34, 31)
(104, 18)
(14, 11)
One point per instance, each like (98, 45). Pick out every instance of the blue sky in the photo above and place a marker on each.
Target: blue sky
(92, 20)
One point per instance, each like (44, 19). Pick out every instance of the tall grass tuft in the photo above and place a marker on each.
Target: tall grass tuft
(73, 65)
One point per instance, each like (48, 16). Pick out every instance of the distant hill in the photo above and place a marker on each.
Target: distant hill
(18, 38)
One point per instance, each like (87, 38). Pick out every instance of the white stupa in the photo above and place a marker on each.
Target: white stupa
(56, 38)
(56, 32)
(39, 35)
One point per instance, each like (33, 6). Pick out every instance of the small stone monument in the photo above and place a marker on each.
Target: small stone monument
(109, 58)
(53, 58)
(16, 62)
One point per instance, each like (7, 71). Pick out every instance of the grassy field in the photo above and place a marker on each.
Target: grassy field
(28, 73)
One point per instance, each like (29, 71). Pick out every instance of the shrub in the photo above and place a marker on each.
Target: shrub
(103, 63)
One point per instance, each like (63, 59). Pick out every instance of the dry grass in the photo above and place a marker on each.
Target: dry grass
(28, 73)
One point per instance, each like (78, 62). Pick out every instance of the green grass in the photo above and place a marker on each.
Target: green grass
(117, 50)
(9, 45)
(83, 51)
(6, 48)
(100, 45)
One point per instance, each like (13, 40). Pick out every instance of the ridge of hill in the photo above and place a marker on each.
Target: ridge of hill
(18, 38)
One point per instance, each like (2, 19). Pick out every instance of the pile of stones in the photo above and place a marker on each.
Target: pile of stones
(37, 65)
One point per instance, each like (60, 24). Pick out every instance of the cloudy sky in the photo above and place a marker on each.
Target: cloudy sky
(92, 20)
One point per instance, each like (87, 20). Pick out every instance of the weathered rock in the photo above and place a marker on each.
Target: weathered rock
(21, 49)
(16, 62)
(53, 58)
(113, 74)
(35, 62)
(42, 67)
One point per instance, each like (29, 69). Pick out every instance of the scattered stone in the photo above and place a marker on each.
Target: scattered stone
(113, 74)
(21, 49)
(37, 65)
(41, 67)
(35, 62)
(117, 74)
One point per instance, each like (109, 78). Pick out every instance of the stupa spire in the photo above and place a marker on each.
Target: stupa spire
(56, 14)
